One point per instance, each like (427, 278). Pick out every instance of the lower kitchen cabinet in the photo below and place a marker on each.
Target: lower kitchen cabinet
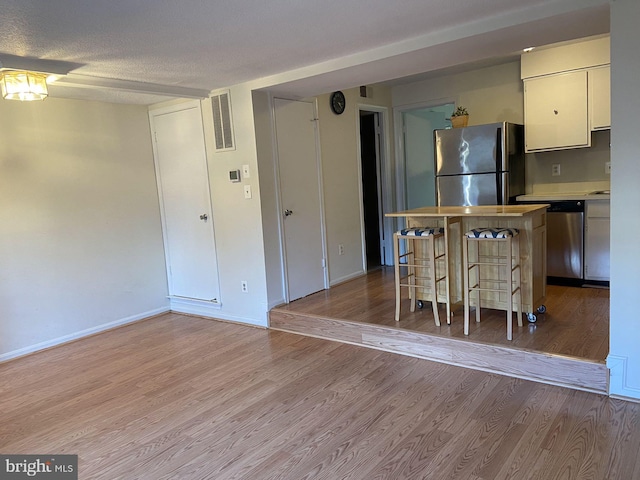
(597, 242)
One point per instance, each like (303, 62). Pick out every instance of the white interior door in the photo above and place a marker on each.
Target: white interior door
(181, 165)
(300, 193)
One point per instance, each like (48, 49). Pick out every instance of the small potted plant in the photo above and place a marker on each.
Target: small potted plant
(460, 118)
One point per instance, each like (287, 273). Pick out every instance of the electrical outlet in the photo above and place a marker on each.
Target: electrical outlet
(607, 168)
(244, 286)
(555, 170)
(340, 249)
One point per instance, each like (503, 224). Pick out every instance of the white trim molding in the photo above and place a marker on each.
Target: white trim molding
(202, 308)
(346, 278)
(276, 303)
(193, 306)
(618, 386)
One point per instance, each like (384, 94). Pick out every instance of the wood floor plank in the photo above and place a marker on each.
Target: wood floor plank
(191, 398)
(566, 347)
(537, 414)
(576, 322)
(555, 369)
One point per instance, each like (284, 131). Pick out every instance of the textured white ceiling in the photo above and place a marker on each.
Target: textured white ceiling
(209, 44)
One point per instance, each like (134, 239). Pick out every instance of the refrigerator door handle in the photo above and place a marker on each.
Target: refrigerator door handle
(500, 166)
(499, 150)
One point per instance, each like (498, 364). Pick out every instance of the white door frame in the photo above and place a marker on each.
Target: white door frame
(279, 204)
(385, 185)
(399, 142)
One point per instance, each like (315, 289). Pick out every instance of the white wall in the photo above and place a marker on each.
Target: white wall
(268, 198)
(238, 221)
(339, 139)
(492, 94)
(81, 247)
(582, 169)
(624, 355)
(247, 241)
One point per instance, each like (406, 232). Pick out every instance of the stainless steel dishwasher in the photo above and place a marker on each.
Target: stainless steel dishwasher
(565, 241)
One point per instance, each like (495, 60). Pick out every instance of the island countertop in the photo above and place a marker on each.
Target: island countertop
(475, 211)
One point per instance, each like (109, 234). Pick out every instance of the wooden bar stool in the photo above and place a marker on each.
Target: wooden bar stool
(417, 267)
(489, 262)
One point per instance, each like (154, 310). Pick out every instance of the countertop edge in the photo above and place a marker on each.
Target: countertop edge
(473, 211)
(550, 197)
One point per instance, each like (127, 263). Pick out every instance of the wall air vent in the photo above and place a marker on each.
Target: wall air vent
(222, 122)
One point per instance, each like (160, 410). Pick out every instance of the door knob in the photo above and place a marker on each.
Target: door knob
(204, 216)
(287, 212)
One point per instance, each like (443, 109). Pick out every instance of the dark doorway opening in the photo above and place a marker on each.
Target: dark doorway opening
(370, 163)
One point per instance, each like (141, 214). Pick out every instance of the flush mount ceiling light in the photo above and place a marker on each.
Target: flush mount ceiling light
(30, 70)
(23, 85)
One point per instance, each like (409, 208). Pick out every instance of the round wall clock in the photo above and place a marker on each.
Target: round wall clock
(338, 102)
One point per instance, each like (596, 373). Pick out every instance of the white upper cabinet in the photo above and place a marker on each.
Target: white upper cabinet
(566, 94)
(560, 58)
(555, 112)
(600, 97)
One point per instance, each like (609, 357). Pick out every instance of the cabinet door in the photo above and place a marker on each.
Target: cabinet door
(556, 114)
(597, 243)
(600, 98)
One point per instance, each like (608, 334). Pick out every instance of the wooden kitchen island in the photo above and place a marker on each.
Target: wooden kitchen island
(530, 220)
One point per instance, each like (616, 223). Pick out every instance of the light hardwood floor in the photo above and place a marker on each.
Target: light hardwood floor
(576, 323)
(566, 347)
(178, 397)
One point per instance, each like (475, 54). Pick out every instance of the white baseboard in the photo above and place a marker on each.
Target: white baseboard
(276, 303)
(242, 320)
(346, 278)
(212, 310)
(83, 333)
(618, 386)
(194, 307)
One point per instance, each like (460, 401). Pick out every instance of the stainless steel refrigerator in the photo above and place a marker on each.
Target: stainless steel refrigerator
(479, 165)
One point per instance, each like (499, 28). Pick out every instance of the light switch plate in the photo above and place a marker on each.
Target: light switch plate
(247, 191)
(245, 171)
(607, 168)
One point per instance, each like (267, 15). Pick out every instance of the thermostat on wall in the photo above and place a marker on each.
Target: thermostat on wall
(234, 175)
